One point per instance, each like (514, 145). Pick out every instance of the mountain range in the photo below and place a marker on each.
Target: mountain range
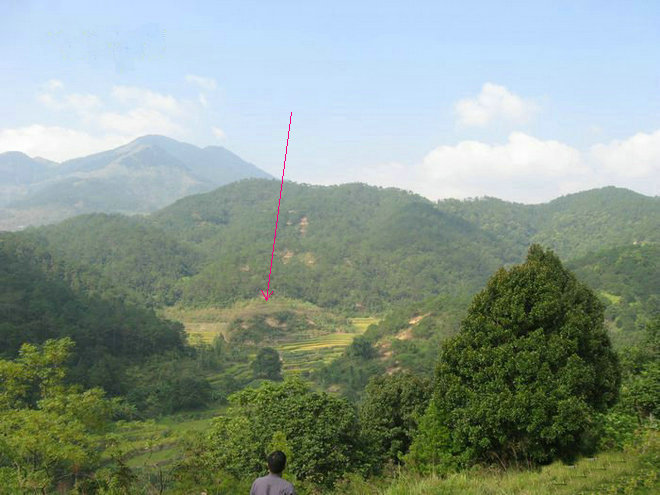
(139, 177)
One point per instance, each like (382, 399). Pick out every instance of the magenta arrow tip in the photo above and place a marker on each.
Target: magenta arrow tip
(267, 294)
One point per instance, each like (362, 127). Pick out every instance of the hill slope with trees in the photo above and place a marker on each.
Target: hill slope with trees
(109, 334)
(572, 225)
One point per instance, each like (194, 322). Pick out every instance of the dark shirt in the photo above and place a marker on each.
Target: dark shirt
(272, 484)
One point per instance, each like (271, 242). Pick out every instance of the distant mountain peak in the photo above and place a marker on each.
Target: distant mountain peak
(147, 173)
(14, 154)
(157, 139)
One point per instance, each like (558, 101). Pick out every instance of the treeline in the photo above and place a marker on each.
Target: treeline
(572, 225)
(354, 248)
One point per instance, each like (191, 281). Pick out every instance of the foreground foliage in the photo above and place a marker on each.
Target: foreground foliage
(50, 433)
(631, 471)
(527, 376)
(320, 432)
(389, 415)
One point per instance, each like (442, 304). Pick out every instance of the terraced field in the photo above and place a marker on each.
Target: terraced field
(150, 443)
(307, 354)
(302, 350)
(156, 443)
(304, 356)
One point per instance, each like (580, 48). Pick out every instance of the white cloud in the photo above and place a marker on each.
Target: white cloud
(54, 84)
(146, 98)
(126, 113)
(523, 168)
(526, 169)
(219, 133)
(55, 143)
(82, 104)
(635, 157)
(138, 122)
(202, 100)
(494, 102)
(206, 83)
(144, 111)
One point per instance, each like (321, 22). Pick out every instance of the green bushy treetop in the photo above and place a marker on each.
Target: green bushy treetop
(321, 432)
(50, 433)
(528, 373)
(267, 364)
(640, 392)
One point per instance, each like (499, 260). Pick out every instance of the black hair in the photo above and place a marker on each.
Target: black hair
(276, 462)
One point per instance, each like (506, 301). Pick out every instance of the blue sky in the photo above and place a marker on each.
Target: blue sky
(525, 101)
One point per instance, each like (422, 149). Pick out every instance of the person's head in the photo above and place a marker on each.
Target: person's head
(276, 462)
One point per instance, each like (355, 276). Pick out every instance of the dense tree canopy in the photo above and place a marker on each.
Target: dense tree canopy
(640, 392)
(389, 414)
(321, 432)
(528, 372)
(572, 225)
(48, 431)
(267, 364)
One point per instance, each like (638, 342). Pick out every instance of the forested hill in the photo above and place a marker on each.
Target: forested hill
(628, 280)
(572, 225)
(36, 305)
(352, 247)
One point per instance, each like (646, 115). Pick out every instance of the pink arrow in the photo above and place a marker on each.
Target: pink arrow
(268, 292)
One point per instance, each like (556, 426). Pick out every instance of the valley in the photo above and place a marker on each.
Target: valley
(163, 313)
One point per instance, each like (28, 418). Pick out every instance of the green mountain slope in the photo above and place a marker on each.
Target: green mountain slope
(572, 225)
(35, 305)
(356, 247)
(118, 255)
(628, 281)
(352, 247)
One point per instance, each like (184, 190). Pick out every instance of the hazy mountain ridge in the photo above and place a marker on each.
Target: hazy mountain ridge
(139, 177)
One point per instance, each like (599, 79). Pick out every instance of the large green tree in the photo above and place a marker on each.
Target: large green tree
(640, 391)
(267, 364)
(528, 373)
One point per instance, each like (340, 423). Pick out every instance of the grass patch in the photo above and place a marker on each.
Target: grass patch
(158, 442)
(612, 298)
(361, 324)
(634, 471)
